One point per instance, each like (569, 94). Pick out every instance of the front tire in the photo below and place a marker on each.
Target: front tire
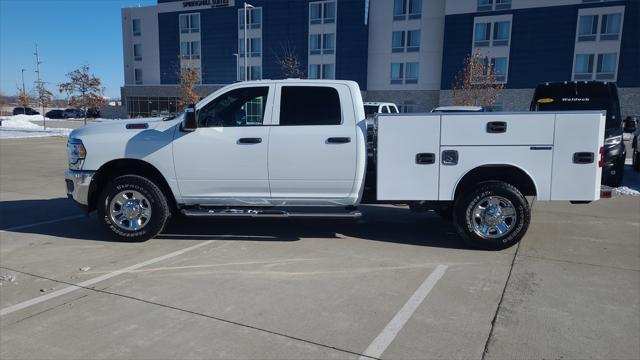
(132, 208)
(493, 216)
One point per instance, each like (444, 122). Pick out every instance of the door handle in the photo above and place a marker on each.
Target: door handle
(496, 127)
(425, 158)
(249, 140)
(338, 140)
(584, 158)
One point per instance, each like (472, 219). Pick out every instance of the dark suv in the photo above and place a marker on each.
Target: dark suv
(24, 111)
(590, 95)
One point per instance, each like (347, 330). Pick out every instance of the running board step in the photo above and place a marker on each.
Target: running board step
(269, 214)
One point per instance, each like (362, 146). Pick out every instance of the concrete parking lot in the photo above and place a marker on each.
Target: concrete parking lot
(394, 285)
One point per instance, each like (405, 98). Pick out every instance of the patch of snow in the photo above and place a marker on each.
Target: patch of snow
(20, 126)
(625, 190)
(8, 278)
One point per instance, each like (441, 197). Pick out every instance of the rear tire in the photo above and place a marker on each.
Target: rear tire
(132, 208)
(493, 216)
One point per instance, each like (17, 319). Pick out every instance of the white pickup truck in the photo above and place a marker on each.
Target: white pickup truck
(297, 148)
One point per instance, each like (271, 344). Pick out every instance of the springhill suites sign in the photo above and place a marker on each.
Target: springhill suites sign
(209, 3)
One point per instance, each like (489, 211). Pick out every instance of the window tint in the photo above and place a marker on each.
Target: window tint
(306, 105)
(239, 107)
(393, 109)
(385, 109)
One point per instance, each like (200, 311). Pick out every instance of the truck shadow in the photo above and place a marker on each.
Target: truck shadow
(386, 224)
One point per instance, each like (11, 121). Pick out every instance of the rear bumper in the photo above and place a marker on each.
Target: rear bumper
(78, 183)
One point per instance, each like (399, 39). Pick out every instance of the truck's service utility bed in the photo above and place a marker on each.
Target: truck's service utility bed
(425, 156)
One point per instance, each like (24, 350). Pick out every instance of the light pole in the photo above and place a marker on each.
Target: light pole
(24, 109)
(237, 66)
(246, 6)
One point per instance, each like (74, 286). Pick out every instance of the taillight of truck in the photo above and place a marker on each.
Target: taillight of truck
(601, 162)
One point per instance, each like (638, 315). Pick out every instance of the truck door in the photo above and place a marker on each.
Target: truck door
(224, 161)
(312, 145)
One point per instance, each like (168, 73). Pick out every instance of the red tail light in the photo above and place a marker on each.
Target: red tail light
(601, 162)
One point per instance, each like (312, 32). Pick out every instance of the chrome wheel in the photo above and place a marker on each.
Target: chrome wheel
(130, 210)
(493, 217)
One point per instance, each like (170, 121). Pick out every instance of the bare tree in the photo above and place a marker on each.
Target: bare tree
(476, 84)
(189, 77)
(289, 62)
(44, 98)
(84, 90)
(23, 97)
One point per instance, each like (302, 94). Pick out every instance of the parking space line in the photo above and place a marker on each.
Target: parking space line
(389, 333)
(87, 283)
(20, 227)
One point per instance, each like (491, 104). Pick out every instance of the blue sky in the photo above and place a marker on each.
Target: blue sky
(69, 33)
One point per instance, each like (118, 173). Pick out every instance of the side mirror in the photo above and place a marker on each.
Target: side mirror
(190, 122)
(630, 125)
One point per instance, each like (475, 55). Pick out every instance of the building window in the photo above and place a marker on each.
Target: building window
(314, 71)
(190, 50)
(413, 69)
(485, 5)
(402, 8)
(397, 41)
(399, 9)
(587, 28)
(137, 28)
(610, 26)
(315, 44)
(488, 5)
(327, 71)
(396, 73)
(500, 68)
(254, 16)
(408, 106)
(583, 67)
(329, 12)
(137, 52)
(189, 23)
(501, 33)
(413, 40)
(315, 13)
(255, 72)
(415, 9)
(503, 4)
(137, 76)
(606, 68)
(482, 35)
(255, 47)
(328, 43)
(322, 12)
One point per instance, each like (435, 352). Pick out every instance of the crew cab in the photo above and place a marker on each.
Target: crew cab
(297, 148)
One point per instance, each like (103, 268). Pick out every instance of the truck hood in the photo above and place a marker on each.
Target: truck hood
(125, 139)
(113, 126)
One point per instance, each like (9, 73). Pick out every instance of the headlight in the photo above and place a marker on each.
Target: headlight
(614, 140)
(76, 153)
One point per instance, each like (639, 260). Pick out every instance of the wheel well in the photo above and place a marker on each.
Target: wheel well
(115, 168)
(507, 173)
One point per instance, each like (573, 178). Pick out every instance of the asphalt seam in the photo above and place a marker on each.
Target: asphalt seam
(231, 322)
(495, 315)
(579, 263)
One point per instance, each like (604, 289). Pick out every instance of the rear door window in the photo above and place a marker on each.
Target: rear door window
(385, 109)
(309, 105)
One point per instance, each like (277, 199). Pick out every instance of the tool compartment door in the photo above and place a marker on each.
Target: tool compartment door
(497, 129)
(576, 172)
(408, 157)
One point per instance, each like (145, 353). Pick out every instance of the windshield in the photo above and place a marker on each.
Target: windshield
(579, 96)
(370, 110)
